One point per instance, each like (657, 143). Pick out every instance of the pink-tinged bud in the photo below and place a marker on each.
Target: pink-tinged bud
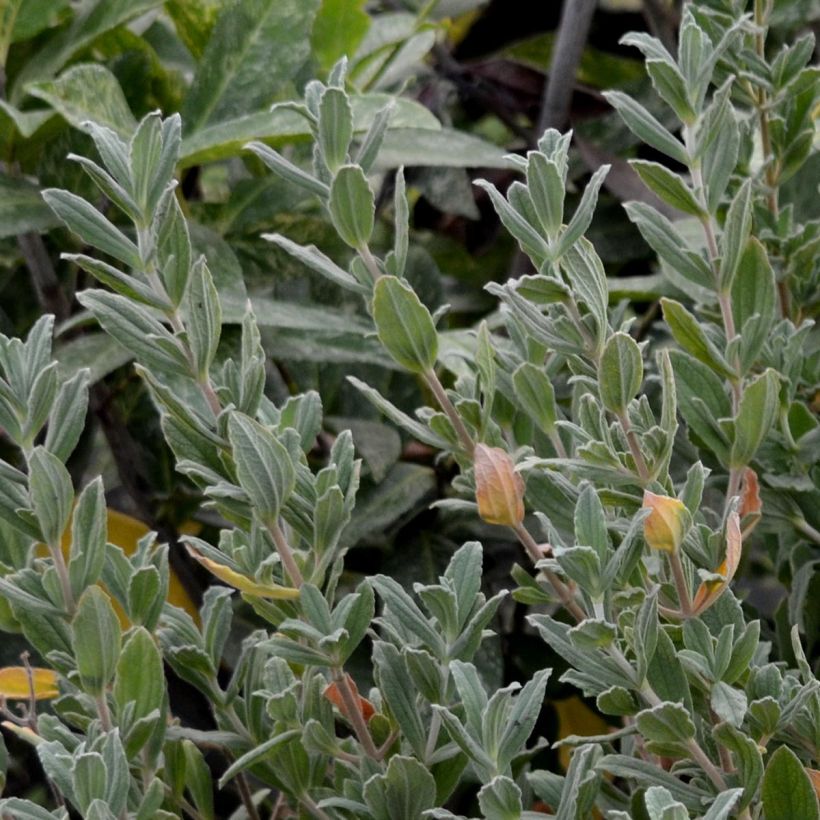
(499, 490)
(665, 526)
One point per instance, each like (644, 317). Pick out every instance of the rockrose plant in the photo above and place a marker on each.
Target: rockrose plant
(637, 458)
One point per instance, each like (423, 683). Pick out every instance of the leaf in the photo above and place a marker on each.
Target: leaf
(95, 19)
(404, 792)
(754, 301)
(691, 337)
(257, 754)
(96, 640)
(392, 677)
(338, 30)
(546, 186)
(535, 392)
(756, 414)
(224, 139)
(335, 127)
(728, 703)
(666, 723)
(256, 47)
(15, 683)
(404, 325)
(668, 186)
(313, 258)
(445, 147)
(241, 582)
(51, 494)
(735, 235)
(91, 226)
(140, 678)
(500, 799)
(22, 208)
(646, 127)
(263, 465)
(620, 372)
(88, 92)
(204, 324)
(787, 792)
(352, 206)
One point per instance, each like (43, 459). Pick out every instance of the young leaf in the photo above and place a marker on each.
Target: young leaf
(96, 640)
(668, 186)
(335, 127)
(756, 414)
(352, 206)
(404, 325)
(620, 372)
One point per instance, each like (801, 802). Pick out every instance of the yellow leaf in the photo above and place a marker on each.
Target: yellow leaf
(576, 718)
(125, 532)
(709, 591)
(14, 683)
(242, 582)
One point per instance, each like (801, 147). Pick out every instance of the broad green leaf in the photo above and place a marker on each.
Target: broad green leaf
(404, 792)
(140, 678)
(338, 30)
(787, 791)
(756, 414)
(620, 372)
(534, 391)
(255, 49)
(443, 147)
(263, 465)
(96, 640)
(88, 92)
(22, 209)
(352, 206)
(95, 19)
(754, 301)
(89, 533)
(194, 21)
(404, 325)
(51, 494)
(728, 703)
(283, 124)
(500, 799)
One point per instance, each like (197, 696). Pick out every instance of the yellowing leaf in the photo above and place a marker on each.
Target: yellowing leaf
(241, 582)
(14, 683)
(576, 718)
(709, 591)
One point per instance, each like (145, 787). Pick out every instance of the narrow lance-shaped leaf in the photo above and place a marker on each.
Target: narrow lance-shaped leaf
(620, 372)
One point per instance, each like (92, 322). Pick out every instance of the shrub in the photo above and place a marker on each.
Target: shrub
(637, 461)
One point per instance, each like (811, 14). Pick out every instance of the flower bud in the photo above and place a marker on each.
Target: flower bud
(665, 526)
(499, 490)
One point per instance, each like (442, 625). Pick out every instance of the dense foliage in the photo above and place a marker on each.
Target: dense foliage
(278, 347)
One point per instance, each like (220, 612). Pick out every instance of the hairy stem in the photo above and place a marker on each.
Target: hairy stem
(354, 714)
(561, 589)
(286, 554)
(681, 586)
(464, 438)
(634, 448)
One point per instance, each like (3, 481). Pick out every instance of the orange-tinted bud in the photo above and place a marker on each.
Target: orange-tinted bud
(499, 490)
(665, 526)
